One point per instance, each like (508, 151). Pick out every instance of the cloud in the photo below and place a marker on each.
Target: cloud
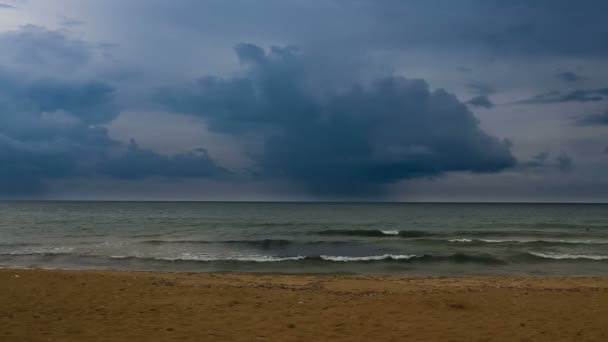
(569, 76)
(481, 88)
(541, 162)
(70, 22)
(48, 130)
(36, 49)
(506, 29)
(66, 89)
(435, 29)
(137, 163)
(541, 156)
(538, 161)
(6, 6)
(347, 140)
(593, 119)
(88, 101)
(52, 128)
(564, 162)
(481, 101)
(579, 95)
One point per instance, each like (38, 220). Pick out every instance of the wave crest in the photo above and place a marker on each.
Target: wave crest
(374, 233)
(556, 256)
(367, 258)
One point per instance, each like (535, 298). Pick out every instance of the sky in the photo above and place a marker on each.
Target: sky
(293, 100)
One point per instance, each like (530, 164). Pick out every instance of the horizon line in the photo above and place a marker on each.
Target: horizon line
(298, 202)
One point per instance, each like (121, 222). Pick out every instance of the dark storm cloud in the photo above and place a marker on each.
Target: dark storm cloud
(49, 130)
(348, 140)
(6, 6)
(91, 102)
(137, 163)
(45, 107)
(579, 95)
(38, 144)
(481, 101)
(569, 76)
(28, 163)
(593, 119)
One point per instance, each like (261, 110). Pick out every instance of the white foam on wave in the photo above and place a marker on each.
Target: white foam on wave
(590, 242)
(268, 258)
(367, 258)
(43, 250)
(465, 240)
(135, 255)
(461, 240)
(545, 240)
(390, 232)
(569, 256)
(246, 258)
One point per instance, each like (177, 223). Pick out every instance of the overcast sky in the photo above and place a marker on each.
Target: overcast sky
(436, 100)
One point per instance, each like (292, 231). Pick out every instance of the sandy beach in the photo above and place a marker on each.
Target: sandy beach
(53, 305)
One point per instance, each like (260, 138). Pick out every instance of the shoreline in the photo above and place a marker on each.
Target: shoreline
(77, 305)
(260, 273)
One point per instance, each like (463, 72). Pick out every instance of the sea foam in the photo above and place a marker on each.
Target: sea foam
(246, 258)
(557, 256)
(367, 258)
(461, 240)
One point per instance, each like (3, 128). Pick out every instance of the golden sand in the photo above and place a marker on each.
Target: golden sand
(45, 305)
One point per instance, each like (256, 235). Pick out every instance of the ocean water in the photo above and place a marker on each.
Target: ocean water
(374, 238)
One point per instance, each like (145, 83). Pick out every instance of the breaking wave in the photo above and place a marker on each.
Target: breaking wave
(556, 256)
(374, 233)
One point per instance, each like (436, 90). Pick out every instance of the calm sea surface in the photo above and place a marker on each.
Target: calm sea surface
(437, 239)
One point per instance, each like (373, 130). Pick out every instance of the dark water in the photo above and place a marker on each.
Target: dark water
(438, 239)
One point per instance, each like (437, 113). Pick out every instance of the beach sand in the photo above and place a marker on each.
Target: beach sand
(53, 305)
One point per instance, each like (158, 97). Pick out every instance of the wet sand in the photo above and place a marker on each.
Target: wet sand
(50, 305)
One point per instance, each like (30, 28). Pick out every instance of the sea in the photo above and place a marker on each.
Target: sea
(337, 238)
